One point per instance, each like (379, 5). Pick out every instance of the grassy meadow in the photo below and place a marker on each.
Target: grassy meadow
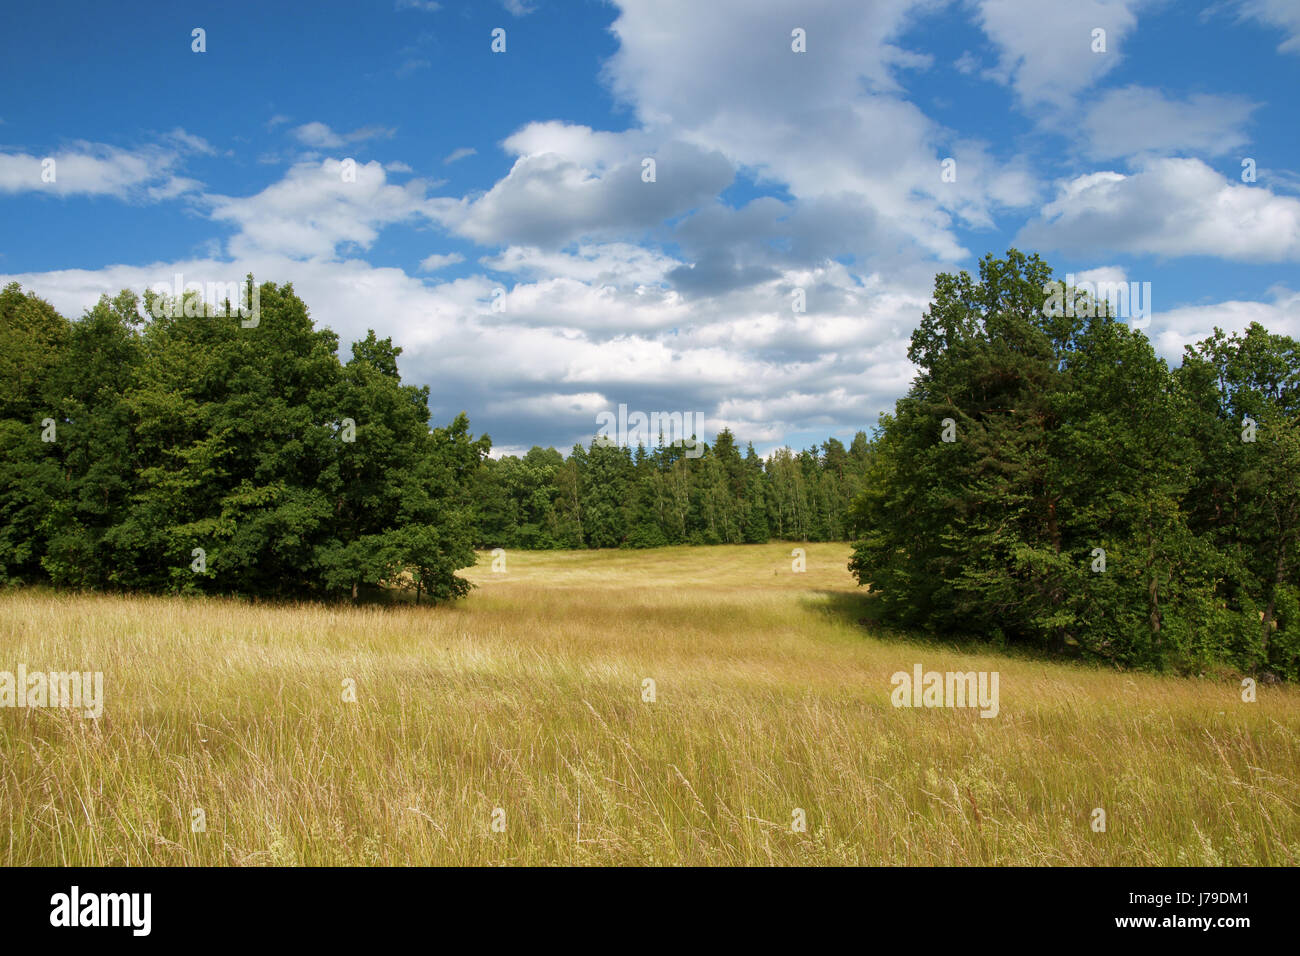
(526, 698)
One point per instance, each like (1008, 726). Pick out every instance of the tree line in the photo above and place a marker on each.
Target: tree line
(607, 496)
(1049, 481)
(161, 446)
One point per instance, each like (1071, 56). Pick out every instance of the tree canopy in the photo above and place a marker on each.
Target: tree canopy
(1048, 480)
(189, 453)
(604, 496)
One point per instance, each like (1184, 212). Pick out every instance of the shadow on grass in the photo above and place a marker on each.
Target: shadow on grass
(861, 612)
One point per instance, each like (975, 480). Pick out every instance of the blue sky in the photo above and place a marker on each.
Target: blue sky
(775, 170)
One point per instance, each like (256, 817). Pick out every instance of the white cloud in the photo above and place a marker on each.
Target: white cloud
(435, 262)
(1045, 50)
(597, 263)
(311, 211)
(461, 153)
(1283, 14)
(1135, 119)
(800, 120)
(562, 341)
(1102, 274)
(94, 169)
(1177, 328)
(188, 142)
(1169, 207)
(570, 182)
(319, 135)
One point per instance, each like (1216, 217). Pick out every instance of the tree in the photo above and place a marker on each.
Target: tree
(1242, 393)
(87, 394)
(33, 341)
(188, 452)
(1048, 480)
(605, 486)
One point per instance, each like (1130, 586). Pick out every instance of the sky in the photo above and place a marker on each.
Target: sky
(505, 226)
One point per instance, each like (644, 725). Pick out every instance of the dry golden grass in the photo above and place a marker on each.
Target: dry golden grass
(527, 696)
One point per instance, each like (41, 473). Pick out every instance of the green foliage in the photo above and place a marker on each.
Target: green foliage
(604, 496)
(192, 454)
(1075, 442)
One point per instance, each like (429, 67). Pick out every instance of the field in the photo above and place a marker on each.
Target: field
(523, 704)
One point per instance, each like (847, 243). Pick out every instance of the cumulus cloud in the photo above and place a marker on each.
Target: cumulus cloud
(565, 348)
(1168, 207)
(313, 210)
(570, 182)
(1046, 55)
(596, 263)
(800, 120)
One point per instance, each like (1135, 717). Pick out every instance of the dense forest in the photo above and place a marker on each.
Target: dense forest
(1048, 481)
(606, 495)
